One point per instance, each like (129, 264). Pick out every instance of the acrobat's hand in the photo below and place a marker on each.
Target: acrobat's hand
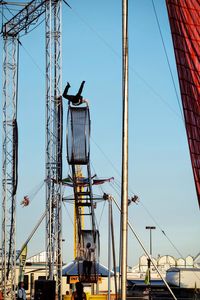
(86, 101)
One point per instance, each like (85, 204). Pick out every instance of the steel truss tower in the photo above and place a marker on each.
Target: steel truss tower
(11, 29)
(9, 164)
(54, 140)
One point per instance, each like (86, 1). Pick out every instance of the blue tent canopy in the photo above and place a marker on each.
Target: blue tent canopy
(71, 269)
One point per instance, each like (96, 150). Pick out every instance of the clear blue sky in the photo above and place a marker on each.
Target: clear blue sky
(159, 164)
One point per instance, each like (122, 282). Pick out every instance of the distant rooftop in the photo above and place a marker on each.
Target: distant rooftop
(38, 258)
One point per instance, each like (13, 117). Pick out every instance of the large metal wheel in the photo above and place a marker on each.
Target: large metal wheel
(78, 135)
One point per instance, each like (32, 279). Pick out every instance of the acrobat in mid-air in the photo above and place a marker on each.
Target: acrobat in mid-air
(75, 99)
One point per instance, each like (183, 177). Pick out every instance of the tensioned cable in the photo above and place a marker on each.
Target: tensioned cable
(33, 60)
(172, 244)
(8, 9)
(107, 158)
(113, 50)
(163, 232)
(20, 43)
(101, 189)
(146, 252)
(117, 187)
(119, 56)
(36, 190)
(3, 17)
(151, 216)
(103, 208)
(68, 214)
(168, 63)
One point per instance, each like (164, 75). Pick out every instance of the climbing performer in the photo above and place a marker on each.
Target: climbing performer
(87, 262)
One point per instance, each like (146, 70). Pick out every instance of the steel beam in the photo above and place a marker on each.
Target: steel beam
(124, 180)
(26, 17)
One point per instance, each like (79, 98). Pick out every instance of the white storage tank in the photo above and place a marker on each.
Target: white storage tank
(188, 278)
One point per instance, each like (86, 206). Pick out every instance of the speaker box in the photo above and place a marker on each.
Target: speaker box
(45, 290)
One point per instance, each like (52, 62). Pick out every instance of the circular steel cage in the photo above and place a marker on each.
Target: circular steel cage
(78, 135)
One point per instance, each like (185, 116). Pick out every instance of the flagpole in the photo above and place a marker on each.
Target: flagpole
(124, 192)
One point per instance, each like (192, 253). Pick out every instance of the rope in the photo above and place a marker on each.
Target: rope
(33, 60)
(168, 63)
(107, 158)
(146, 252)
(151, 216)
(68, 214)
(163, 232)
(101, 213)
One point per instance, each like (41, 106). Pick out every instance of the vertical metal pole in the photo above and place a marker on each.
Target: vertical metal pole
(149, 258)
(109, 245)
(124, 200)
(9, 166)
(150, 240)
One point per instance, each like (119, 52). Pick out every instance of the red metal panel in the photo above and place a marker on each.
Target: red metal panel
(184, 17)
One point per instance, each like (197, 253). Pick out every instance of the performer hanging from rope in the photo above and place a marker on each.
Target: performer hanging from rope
(75, 99)
(25, 201)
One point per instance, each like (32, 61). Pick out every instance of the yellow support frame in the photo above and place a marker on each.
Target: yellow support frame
(80, 189)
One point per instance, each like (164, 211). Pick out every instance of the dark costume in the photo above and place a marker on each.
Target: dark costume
(87, 263)
(74, 99)
(79, 293)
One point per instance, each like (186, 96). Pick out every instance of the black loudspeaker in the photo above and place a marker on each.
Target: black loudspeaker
(45, 290)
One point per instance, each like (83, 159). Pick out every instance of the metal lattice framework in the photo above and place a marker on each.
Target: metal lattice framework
(9, 164)
(54, 139)
(21, 22)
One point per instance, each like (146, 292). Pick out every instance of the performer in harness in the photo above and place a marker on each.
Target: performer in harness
(75, 99)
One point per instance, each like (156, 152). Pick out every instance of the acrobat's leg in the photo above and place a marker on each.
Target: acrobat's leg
(66, 90)
(81, 88)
